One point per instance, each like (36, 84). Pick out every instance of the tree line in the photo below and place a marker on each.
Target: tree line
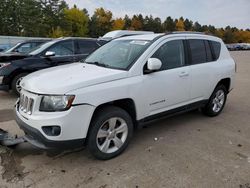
(54, 18)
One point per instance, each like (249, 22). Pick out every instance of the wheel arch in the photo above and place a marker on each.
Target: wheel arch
(126, 104)
(226, 82)
(14, 74)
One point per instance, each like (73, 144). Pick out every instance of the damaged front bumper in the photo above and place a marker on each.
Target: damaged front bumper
(36, 138)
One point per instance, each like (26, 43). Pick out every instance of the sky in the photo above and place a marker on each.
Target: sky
(219, 13)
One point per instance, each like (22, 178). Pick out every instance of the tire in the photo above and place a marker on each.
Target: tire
(16, 81)
(216, 102)
(114, 127)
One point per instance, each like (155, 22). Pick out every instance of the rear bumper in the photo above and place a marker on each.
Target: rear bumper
(36, 138)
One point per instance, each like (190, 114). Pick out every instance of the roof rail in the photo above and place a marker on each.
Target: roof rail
(187, 32)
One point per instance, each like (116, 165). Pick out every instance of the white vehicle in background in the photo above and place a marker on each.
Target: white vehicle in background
(123, 33)
(245, 46)
(128, 81)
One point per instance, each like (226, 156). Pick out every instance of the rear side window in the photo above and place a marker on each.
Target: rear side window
(198, 51)
(216, 48)
(86, 47)
(171, 54)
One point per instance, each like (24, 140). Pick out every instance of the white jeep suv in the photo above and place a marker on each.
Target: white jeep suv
(128, 81)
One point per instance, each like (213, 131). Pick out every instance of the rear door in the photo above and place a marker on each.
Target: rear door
(202, 69)
(84, 48)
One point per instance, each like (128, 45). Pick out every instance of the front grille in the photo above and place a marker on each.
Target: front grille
(26, 104)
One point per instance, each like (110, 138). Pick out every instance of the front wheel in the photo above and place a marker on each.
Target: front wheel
(110, 132)
(15, 84)
(216, 102)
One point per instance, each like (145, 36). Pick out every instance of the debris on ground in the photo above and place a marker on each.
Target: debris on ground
(149, 148)
(12, 169)
(8, 140)
(248, 159)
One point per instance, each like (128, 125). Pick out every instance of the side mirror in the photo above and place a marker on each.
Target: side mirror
(153, 64)
(49, 54)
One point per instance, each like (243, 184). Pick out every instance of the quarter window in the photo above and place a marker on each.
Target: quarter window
(198, 51)
(216, 46)
(171, 54)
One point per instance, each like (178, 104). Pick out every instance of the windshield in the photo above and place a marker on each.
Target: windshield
(13, 48)
(42, 47)
(118, 54)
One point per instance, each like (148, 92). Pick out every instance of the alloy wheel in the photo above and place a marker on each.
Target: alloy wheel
(18, 86)
(112, 135)
(218, 101)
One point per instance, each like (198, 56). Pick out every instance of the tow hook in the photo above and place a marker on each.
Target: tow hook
(8, 140)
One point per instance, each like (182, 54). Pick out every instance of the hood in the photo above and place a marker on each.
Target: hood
(5, 57)
(62, 79)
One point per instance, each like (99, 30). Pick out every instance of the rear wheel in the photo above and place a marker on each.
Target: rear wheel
(216, 102)
(110, 132)
(15, 84)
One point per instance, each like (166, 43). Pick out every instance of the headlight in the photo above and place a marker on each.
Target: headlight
(56, 103)
(4, 65)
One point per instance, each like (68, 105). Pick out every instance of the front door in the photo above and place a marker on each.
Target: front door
(64, 53)
(169, 87)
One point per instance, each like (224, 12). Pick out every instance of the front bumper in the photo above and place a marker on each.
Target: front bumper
(37, 139)
(74, 125)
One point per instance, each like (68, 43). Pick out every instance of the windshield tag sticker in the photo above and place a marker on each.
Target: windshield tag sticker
(139, 42)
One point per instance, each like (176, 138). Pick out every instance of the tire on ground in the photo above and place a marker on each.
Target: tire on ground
(100, 117)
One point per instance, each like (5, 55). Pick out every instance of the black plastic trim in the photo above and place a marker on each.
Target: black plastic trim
(175, 111)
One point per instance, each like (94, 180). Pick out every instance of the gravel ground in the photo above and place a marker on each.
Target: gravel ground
(188, 150)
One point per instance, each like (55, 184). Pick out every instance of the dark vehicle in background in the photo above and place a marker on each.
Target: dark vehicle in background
(26, 46)
(21, 49)
(53, 53)
(4, 47)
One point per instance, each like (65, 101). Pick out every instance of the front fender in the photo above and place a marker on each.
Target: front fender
(7, 70)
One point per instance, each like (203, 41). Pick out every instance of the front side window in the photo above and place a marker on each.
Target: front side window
(63, 48)
(171, 54)
(118, 54)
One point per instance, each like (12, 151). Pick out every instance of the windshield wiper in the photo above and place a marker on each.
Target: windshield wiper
(98, 64)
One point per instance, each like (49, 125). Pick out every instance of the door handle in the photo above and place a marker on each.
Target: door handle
(183, 74)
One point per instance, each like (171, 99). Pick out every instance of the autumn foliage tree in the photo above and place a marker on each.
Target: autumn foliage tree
(118, 24)
(101, 22)
(136, 23)
(76, 22)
